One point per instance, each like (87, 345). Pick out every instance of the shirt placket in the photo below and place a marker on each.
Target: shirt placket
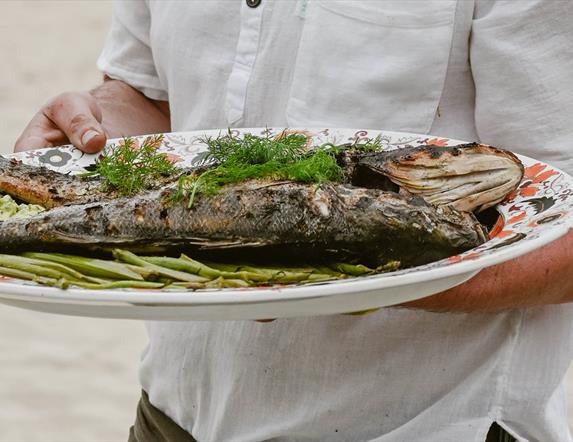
(245, 56)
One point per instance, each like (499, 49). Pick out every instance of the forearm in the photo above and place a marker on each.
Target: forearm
(126, 111)
(544, 276)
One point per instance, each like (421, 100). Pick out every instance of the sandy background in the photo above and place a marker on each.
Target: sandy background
(61, 378)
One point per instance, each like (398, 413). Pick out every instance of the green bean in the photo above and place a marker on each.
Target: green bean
(119, 285)
(273, 274)
(150, 272)
(224, 283)
(205, 270)
(62, 282)
(131, 258)
(263, 273)
(390, 266)
(222, 266)
(23, 264)
(38, 268)
(318, 277)
(175, 264)
(14, 260)
(20, 274)
(200, 268)
(185, 285)
(328, 271)
(279, 269)
(16, 273)
(215, 283)
(352, 269)
(280, 275)
(296, 274)
(146, 274)
(90, 267)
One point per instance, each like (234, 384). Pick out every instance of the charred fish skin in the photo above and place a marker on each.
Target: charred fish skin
(339, 221)
(48, 188)
(469, 177)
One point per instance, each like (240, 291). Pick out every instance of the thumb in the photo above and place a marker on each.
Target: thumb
(78, 116)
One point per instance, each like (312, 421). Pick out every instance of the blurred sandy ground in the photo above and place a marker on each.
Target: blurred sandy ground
(61, 378)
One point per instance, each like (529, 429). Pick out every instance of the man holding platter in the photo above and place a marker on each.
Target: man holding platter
(444, 368)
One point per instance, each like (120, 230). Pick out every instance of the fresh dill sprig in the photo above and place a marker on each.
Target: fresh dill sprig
(236, 159)
(129, 168)
(286, 156)
(253, 149)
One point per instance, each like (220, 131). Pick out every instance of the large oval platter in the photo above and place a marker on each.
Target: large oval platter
(540, 211)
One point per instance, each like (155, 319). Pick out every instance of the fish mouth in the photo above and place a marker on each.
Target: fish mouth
(469, 178)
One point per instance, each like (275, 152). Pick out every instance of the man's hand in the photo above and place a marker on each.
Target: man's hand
(544, 276)
(87, 119)
(72, 117)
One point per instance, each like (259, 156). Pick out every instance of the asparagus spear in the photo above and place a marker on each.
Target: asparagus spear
(352, 269)
(91, 267)
(61, 270)
(223, 283)
(186, 264)
(25, 264)
(30, 276)
(119, 285)
(179, 264)
(131, 258)
(215, 273)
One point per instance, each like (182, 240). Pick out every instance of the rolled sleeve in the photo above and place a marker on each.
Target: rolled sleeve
(522, 60)
(127, 53)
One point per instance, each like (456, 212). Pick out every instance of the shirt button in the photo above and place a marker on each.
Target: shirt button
(253, 3)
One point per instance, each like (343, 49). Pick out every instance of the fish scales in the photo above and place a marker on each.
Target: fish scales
(330, 221)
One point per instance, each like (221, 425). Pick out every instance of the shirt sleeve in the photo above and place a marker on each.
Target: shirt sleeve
(127, 53)
(521, 55)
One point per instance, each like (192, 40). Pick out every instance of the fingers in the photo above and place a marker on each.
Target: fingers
(78, 116)
(31, 143)
(39, 133)
(69, 118)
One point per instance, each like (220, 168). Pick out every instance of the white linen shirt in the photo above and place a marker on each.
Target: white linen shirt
(496, 71)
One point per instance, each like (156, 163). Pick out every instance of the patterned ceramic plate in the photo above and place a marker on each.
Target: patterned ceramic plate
(540, 211)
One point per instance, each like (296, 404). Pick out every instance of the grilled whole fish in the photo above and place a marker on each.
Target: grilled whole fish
(331, 221)
(413, 205)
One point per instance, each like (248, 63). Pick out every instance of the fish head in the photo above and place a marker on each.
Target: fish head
(468, 177)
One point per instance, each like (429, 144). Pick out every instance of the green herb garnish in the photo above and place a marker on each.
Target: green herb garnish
(252, 149)
(286, 156)
(236, 159)
(129, 168)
